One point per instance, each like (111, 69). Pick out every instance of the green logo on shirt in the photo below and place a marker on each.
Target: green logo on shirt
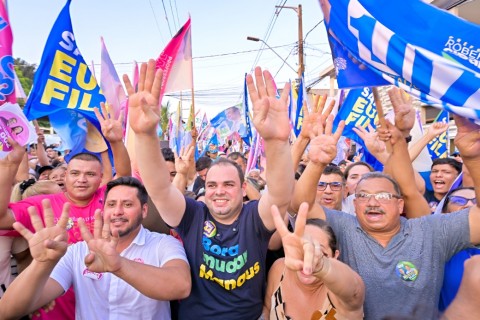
(406, 271)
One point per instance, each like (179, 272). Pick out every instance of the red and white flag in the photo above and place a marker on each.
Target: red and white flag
(176, 62)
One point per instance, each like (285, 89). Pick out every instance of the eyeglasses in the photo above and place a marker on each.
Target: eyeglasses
(461, 201)
(382, 197)
(335, 186)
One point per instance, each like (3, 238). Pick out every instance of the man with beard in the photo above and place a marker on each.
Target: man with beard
(115, 273)
(84, 192)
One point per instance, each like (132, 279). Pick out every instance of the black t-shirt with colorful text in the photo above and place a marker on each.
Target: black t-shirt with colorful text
(227, 263)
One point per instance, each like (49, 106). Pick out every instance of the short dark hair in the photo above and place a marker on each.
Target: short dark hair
(168, 155)
(86, 156)
(354, 164)
(226, 162)
(203, 163)
(235, 155)
(322, 224)
(342, 162)
(333, 170)
(130, 182)
(381, 175)
(44, 168)
(450, 161)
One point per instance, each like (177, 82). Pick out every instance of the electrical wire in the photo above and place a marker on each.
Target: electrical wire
(166, 18)
(173, 17)
(156, 21)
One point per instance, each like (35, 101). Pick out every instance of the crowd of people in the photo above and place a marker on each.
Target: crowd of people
(194, 239)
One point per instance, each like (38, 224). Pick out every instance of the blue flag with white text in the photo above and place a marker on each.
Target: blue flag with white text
(64, 85)
(428, 52)
(438, 146)
(359, 110)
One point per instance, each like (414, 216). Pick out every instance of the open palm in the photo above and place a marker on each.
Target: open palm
(143, 103)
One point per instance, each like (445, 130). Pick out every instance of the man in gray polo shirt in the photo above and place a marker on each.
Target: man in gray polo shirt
(401, 261)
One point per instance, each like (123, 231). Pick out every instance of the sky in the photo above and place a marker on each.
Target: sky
(140, 29)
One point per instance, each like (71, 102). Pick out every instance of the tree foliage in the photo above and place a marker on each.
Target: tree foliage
(25, 73)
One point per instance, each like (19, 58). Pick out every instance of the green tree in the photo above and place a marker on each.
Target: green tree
(25, 73)
(164, 116)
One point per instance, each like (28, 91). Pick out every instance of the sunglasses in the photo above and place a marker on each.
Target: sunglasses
(335, 186)
(461, 201)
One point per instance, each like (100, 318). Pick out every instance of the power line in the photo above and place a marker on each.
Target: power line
(211, 56)
(267, 35)
(306, 35)
(166, 18)
(156, 21)
(176, 10)
(173, 16)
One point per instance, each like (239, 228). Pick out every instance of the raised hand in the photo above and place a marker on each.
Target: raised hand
(403, 109)
(437, 128)
(15, 156)
(103, 256)
(270, 115)
(301, 252)
(373, 143)
(143, 104)
(185, 161)
(323, 142)
(112, 129)
(468, 138)
(390, 133)
(311, 119)
(49, 243)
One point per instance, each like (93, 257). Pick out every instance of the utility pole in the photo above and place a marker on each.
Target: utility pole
(298, 10)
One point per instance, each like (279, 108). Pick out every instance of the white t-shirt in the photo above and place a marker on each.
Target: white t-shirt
(103, 295)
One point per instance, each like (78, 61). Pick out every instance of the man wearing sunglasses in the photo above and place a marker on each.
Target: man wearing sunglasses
(331, 188)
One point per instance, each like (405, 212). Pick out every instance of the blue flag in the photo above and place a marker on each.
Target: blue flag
(64, 88)
(248, 132)
(426, 51)
(438, 146)
(299, 114)
(359, 110)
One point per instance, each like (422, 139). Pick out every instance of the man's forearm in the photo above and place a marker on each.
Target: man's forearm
(280, 180)
(306, 187)
(26, 290)
(175, 279)
(121, 158)
(7, 176)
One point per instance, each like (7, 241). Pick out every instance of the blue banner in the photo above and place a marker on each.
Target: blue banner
(428, 52)
(63, 83)
(438, 146)
(248, 132)
(359, 110)
(299, 113)
(229, 121)
(351, 74)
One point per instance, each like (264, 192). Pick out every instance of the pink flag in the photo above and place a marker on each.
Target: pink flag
(110, 83)
(176, 62)
(7, 72)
